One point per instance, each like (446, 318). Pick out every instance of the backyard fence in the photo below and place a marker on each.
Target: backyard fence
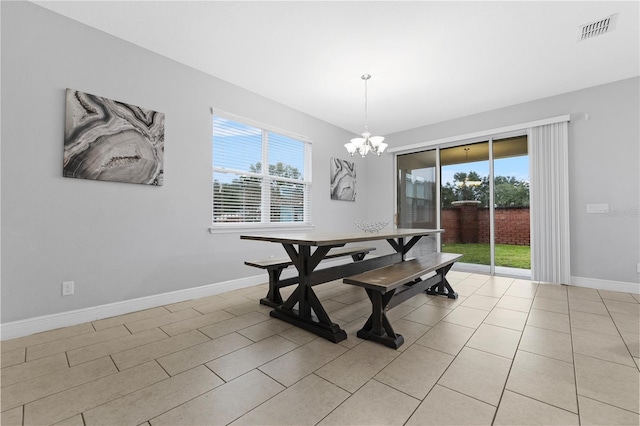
(469, 223)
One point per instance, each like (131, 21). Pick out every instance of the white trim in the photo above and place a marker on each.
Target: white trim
(480, 134)
(28, 326)
(492, 210)
(259, 124)
(20, 328)
(264, 176)
(438, 200)
(271, 227)
(621, 286)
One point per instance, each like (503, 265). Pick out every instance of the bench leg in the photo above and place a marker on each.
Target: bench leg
(378, 328)
(273, 298)
(439, 288)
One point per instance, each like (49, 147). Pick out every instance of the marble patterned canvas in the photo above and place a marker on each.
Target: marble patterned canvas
(112, 141)
(343, 180)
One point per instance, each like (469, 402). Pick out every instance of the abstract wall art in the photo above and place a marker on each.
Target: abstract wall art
(343, 180)
(112, 141)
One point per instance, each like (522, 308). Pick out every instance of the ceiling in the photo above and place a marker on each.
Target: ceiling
(430, 61)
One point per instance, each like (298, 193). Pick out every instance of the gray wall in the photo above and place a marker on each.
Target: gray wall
(123, 241)
(603, 168)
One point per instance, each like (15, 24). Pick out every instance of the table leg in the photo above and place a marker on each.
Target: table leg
(309, 315)
(317, 322)
(401, 247)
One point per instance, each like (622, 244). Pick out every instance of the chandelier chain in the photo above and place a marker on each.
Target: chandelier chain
(366, 102)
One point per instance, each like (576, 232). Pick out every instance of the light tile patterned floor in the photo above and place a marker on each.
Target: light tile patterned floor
(507, 352)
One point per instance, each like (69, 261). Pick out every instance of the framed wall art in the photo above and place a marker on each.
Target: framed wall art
(343, 180)
(112, 141)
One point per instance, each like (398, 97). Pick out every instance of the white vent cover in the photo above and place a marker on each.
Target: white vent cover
(596, 28)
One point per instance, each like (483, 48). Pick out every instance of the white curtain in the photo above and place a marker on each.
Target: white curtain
(548, 161)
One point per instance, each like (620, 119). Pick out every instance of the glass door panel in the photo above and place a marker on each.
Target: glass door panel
(511, 211)
(465, 199)
(417, 196)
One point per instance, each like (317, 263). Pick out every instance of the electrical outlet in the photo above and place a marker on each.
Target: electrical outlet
(598, 208)
(67, 288)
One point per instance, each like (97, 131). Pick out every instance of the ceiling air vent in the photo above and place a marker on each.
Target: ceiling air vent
(594, 29)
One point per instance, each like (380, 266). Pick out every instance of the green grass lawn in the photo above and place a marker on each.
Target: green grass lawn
(506, 255)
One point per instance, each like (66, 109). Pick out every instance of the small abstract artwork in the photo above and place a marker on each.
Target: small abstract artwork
(343, 180)
(112, 141)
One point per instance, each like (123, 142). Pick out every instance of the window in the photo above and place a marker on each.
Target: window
(247, 193)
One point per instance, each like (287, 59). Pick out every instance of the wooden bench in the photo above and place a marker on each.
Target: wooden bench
(275, 267)
(391, 285)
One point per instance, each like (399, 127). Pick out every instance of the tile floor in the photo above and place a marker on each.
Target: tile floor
(506, 352)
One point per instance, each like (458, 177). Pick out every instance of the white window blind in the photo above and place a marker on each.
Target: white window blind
(550, 224)
(247, 193)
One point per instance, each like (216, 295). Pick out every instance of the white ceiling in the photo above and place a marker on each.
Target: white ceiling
(430, 61)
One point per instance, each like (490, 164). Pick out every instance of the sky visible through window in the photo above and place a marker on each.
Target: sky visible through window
(238, 147)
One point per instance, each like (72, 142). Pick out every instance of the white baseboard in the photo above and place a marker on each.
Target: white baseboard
(20, 328)
(598, 284)
(12, 330)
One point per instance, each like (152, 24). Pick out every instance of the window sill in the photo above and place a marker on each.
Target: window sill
(259, 228)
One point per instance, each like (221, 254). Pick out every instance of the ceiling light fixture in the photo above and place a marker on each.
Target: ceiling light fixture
(468, 182)
(366, 143)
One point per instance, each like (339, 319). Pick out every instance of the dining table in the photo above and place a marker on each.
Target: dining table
(307, 249)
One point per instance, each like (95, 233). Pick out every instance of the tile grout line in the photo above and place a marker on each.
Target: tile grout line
(573, 356)
(351, 394)
(504, 388)
(163, 369)
(610, 405)
(595, 358)
(617, 328)
(455, 356)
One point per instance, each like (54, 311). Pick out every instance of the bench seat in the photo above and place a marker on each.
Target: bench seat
(275, 266)
(396, 275)
(391, 285)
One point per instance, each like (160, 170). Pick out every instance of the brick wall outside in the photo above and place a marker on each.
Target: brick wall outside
(512, 225)
(450, 221)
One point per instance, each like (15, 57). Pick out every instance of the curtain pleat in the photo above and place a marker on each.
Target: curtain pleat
(549, 188)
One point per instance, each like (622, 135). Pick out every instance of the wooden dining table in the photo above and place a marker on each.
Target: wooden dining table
(307, 249)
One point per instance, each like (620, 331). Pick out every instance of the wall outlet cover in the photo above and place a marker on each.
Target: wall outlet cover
(598, 208)
(67, 288)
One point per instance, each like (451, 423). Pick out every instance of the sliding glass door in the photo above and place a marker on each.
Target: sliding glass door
(479, 194)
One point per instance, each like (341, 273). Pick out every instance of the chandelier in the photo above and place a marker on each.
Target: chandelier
(366, 143)
(468, 182)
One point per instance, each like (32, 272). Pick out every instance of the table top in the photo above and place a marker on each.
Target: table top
(315, 238)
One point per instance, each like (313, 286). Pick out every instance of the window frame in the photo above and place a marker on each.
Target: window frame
(265, 178)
